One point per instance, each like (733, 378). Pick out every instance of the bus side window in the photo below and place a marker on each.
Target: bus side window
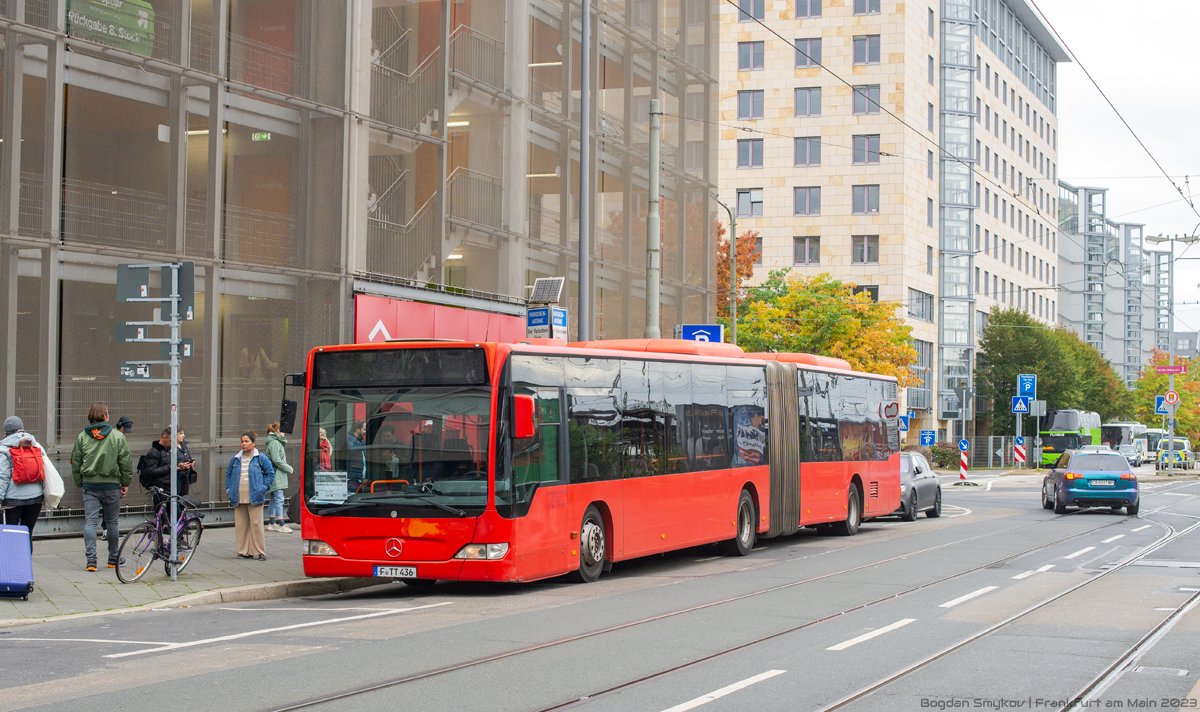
(679, 443)
(747, 411)
(710, 430)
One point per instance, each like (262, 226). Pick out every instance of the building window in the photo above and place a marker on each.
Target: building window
(750, 152)
(750, 55)
(750, 10)
(750, 104)
(931, 69)
(929, 114)
(750, 202)
(932, 30)
(694, 155)
(977, 280)
(871, 291)
(806, 250)
(808, 8)
(866, 7)
(929, 211)
(808, 101)
(696, 12)
(866, 99)
(866, 149)
(920, 305)
(929, 162)
(808, 52)
(866, 49)
(928, 259)
(864, 249)
(808, 151)
(865, 199)
(758, 250)
(806, 201)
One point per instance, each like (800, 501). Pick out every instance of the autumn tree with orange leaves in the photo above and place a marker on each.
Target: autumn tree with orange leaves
(747, 255)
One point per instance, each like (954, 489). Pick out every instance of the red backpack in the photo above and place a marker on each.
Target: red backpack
(27, 464)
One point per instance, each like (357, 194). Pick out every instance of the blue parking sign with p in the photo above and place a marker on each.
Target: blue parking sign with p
(714, 333)
(927, 437)
(1027, 385)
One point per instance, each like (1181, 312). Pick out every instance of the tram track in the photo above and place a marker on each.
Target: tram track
(427, 674)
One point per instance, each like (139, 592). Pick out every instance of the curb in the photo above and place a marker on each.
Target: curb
(236, 594)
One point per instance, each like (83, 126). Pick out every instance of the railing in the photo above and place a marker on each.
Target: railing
(401, 249)
(919, 398)
(391, 202)
(264, 65)
(476, 198)
(201, 49)
(477, 56)
(197, 233)
(542, 224)
(259, 236)
(30, 210)
(395, 55)
(405, 100)
(112, 215)
(545, 96)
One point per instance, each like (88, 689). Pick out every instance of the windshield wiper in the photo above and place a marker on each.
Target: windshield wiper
(439, 505)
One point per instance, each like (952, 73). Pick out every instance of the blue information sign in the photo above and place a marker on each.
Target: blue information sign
(1160, 405)
(1027, 386)
(964, 445)
(1020, 404)
(703, 332)
(1021, 440)
(546, 323)
(912, 415)
(904, 423)
(927, 437)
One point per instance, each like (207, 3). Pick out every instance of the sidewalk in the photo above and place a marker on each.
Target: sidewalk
(62, 586)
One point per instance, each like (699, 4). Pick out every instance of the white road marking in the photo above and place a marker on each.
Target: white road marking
(965, 511)
(263, 631)
(1190, 590)
(296, 608)
(1082, 551)
(1144, 526)
(89, 640)
(875, 633)
(717, 694)
(1111, 539)
(969, 596)
(1027, 574)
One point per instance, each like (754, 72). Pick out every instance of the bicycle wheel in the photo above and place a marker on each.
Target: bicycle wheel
(138, 550)
(189, 540)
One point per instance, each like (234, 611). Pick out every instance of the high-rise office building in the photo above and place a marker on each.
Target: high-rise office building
(909, 148)
(309, 155)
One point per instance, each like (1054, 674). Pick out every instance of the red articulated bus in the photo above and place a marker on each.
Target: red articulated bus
(429, 460)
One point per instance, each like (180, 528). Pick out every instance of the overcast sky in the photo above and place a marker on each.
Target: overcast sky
(1142, 55)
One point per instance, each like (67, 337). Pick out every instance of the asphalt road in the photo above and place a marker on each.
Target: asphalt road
(997, 605)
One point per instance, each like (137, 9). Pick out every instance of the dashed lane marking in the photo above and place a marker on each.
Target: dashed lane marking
(1027, 574)
(727, 690)
(263, 631)
(1111, 539)
(873, 634)
(1144, 526)
(969, 596)
(1082, 551)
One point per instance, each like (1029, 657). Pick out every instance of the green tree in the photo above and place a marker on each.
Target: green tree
(821, 315)
(1151, 384)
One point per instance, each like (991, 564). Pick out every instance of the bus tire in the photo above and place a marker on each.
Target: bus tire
(592, 544)
(849, 526)
(747, 517)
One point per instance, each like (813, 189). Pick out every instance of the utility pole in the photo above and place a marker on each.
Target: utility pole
(654, 228)
(1171, 358)
(732, 271)
(585, 168)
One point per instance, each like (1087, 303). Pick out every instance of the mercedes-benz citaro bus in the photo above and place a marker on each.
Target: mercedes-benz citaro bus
(427, 460)
(1068, 429)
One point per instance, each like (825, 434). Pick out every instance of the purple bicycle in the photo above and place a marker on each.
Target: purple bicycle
(151, 539)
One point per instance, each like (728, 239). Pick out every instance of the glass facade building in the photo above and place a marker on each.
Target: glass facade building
(304, 151)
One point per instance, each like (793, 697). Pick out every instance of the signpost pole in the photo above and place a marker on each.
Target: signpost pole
(174, 345)
(1018, 465)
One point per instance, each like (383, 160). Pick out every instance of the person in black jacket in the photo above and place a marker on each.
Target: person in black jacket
(156, 468)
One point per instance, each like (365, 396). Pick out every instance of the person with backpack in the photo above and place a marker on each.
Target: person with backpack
(154, 468)
(22, 475)
(247, 480)
(276, 452)
(102, 467)
(125, 425)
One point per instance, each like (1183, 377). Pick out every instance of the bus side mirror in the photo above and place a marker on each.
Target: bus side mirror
(287, 416)
(523, 417)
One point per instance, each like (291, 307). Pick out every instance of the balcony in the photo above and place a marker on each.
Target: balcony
(476, 198)
(399, 249)
(477, 56)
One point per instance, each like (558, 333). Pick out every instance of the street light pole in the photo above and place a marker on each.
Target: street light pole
(732, 271)
(1172, 239)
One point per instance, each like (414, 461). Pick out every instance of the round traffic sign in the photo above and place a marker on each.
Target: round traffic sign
(1020, 440)
(1171, 397)
(964, 445)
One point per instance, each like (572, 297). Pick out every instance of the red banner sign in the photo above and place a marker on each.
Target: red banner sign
(1166, 370)
(377, 319)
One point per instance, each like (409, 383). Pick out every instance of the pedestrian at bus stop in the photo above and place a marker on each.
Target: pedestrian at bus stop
(102, 467)
(277, 454)
(247, 479)
(125, 425)
(21, 502)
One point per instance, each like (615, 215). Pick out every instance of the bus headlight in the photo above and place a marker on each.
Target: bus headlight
(316, 547)
(482, 551)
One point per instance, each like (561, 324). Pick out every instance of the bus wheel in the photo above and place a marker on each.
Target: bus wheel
(743, 543)
(849, 527)
(591, 546)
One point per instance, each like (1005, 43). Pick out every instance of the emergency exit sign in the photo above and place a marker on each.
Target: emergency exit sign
(260, 136)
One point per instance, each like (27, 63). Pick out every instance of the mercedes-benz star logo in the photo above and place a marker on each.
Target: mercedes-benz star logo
(393, 547)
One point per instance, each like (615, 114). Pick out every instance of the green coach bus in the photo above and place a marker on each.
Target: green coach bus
(1068, 429)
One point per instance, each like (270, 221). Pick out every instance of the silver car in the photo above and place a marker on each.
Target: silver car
(920, 489)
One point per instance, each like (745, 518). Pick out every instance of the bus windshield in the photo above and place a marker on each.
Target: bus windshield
(1061, 442)
(1063, 421)
(400, 433)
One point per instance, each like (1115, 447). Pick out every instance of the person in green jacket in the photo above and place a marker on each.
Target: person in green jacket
(102, 468)
(277, 454)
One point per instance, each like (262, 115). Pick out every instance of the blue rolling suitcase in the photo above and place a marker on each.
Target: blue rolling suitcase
(16, 562)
